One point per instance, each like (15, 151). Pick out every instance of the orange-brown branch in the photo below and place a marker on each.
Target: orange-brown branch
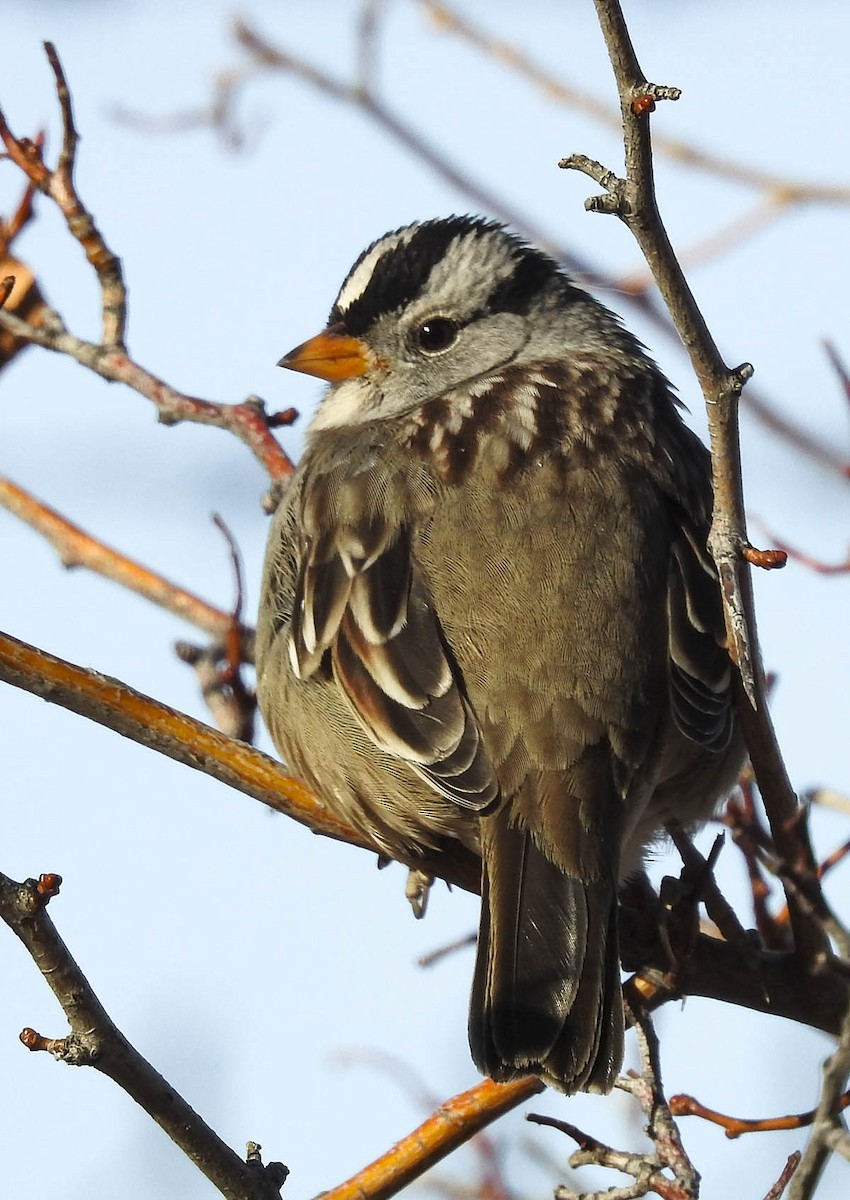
(172, 733)
(453, 1123)
(76, 548)
(687, 1106)
(181, 737)
(832, 860)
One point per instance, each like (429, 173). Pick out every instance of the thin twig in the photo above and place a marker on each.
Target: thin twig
(59, 186)
(219, 115)
(792, 1162)
(683, 1105)
(434, 956)
(753, 840)
(218, 667)
(839, 367)
(274, 58)
(647, 1170)
(368, 29)
(109, 358)
(720, 241)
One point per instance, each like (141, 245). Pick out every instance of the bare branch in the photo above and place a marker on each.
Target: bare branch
(647, 1170)
(95, 1041)
(752, 838)
(248, 420)
(368, 28)
(59, 186)
(785, 1175)
(492, 1185)
(770, 983)
(840, 368)
(699, 875)
(76, 548)
(178, 736)
(827, 1123)
(219, 115)
(109, 358)
(264, 54)
(683, 1105)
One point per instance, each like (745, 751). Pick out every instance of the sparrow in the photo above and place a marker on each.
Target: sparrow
(489, 614)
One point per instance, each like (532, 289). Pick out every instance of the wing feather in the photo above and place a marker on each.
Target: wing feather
(700, 670)
(361, 599)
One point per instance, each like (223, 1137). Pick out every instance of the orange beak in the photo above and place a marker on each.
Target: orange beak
(330, 355)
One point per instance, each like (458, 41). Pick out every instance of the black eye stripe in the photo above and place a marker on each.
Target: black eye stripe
(401, 273)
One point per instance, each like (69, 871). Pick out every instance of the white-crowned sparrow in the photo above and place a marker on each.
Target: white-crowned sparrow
(488, 613)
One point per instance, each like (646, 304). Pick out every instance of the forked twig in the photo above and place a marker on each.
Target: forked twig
(649, 1171)
(794, 191)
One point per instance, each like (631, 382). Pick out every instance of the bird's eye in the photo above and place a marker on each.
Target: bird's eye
(435, 335)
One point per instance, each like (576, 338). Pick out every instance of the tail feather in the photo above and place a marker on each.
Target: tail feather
(546, 996)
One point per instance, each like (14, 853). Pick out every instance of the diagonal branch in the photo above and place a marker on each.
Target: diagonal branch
(97, 1042)
(453, 1124)
(781, 189)
(248, 420)
(181, 737)
(264, 54)
(829, 1132)
(76, 548)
